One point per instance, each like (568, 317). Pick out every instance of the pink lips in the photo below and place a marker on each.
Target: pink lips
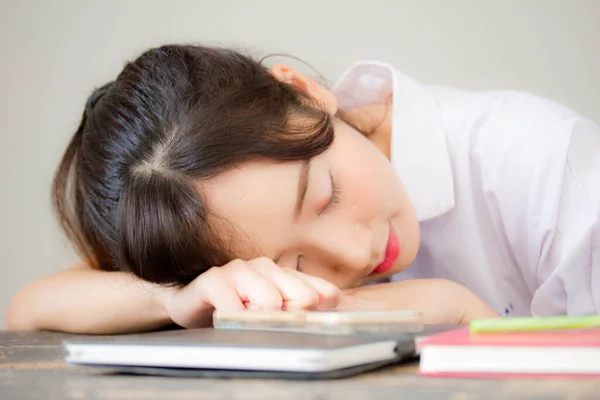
(391, 253)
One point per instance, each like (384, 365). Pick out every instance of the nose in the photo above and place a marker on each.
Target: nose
(347, 247)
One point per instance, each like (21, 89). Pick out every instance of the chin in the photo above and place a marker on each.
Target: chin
(405, 261)
(410, 250)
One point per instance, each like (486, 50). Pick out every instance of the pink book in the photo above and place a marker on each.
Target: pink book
(458, 353)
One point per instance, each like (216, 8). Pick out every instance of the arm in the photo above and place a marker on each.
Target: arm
(539, 165)
(569, 267)
(440, 301)
(85, 300)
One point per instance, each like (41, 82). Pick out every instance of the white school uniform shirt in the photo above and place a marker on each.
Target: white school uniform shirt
(506, 186)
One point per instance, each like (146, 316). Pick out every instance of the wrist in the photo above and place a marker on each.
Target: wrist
(474, 308)
(162, 299)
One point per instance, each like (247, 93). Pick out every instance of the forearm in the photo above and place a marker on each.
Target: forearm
(84, 300)
(440, 301)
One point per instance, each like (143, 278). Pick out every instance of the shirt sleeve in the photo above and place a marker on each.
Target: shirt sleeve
(539, 164)
(569, 266)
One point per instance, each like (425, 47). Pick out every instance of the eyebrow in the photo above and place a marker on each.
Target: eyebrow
(303, 177)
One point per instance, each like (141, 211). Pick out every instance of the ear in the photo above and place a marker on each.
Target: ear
(322, 96)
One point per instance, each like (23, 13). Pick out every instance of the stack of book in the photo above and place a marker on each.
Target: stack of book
(508, 347)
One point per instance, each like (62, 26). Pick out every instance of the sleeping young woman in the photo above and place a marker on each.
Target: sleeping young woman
(200, 179)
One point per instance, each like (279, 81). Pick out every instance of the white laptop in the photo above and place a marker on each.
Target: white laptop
(181, 351)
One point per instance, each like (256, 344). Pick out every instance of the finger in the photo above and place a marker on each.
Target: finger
(256, 291)
(329, 294)
(220, 293)
(295, 292)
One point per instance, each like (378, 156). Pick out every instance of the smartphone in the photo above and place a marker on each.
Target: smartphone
(321, 322)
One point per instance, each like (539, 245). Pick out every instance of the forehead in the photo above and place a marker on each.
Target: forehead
(253, 204)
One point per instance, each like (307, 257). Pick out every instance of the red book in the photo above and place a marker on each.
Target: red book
(458, 353)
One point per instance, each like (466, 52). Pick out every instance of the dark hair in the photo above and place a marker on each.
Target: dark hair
(126, 191)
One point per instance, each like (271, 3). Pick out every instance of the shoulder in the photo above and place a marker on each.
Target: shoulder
(513, 150)
(503, 117)
(507, 136)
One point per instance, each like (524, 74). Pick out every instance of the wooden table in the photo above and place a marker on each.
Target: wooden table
(32, 367)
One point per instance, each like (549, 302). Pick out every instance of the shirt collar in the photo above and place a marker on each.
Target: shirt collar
(419, 151)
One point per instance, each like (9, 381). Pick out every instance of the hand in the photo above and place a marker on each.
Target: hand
(440, 301)
(238, 285)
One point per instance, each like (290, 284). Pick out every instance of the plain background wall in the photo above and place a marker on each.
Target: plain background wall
(55, 52)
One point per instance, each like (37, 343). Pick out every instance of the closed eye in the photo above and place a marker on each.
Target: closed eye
(335, 193)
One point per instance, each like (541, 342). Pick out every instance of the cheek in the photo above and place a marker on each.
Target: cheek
(372, 186)
(364, 195)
